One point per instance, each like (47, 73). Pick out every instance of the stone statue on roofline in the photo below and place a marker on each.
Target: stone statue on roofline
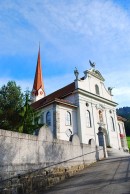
(76, 73)
(110, 90)
(92, 64)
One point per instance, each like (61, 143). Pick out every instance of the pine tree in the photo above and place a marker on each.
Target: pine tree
(11, 102)
(29, 117)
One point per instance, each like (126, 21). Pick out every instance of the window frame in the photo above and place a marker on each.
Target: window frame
(68, 119)
(100, 114)
(48, 118)
(97, 90)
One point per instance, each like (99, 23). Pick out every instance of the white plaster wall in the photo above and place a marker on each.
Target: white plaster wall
(89, 83)
(63, 127)
(105, 92)
(41, 94)
(114, 138)
(87, 133)
(94, 107)
(79, 124)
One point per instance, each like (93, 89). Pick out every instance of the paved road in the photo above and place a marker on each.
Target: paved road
(111, 176)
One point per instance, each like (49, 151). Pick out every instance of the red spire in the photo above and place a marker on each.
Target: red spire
(38, 81)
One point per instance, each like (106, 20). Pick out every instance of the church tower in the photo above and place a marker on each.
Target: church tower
(38, 91)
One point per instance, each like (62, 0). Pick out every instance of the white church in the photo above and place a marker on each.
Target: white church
(81, 108)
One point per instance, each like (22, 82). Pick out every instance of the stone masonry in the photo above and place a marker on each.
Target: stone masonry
(28, 162)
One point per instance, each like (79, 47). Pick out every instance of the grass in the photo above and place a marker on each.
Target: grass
(128, 141)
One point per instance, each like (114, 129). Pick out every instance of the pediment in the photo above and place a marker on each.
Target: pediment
(96, 74)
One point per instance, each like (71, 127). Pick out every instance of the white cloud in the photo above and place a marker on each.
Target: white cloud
(24, 84)
(70, 32)
(121, 91)
(64, 25)
(121, 86)
(51, 84)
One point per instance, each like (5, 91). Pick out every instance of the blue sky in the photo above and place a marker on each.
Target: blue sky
(70, 33)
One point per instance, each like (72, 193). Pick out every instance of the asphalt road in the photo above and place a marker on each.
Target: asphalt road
(110, 176)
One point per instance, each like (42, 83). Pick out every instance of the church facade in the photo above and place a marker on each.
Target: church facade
(81, 107)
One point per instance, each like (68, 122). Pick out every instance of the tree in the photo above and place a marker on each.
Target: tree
(29, 117)
(125, 112)
(11, 102)
(16, 113)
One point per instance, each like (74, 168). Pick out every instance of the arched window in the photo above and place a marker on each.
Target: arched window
(97, 89)
(100, 116)
(48, 118)
(88, 118)
(68, 118)
(112, 124)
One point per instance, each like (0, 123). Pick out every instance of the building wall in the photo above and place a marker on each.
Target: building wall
(64, 133)
(43, 113)
(94, 106)
(86, 99)
(89, 100)
(122, 135)
(88, 84)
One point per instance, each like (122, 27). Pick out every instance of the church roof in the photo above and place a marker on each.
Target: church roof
(119, 118)
(56, 96)
(38, 81)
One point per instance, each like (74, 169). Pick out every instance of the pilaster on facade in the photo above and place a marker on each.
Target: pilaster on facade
(116, 129)
(79, 119)
(56, 121)
(124, 138)
(94, 126)
(107, 128)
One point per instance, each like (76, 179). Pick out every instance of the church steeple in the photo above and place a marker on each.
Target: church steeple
(38, 91)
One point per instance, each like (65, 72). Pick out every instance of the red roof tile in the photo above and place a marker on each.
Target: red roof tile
(119, 118)
(59, 94)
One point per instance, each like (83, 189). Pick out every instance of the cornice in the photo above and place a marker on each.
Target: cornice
(95, 97)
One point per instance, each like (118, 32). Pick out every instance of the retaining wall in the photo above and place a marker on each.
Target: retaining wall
(38, 161)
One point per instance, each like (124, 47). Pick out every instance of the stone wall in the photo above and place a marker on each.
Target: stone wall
(27, 159)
